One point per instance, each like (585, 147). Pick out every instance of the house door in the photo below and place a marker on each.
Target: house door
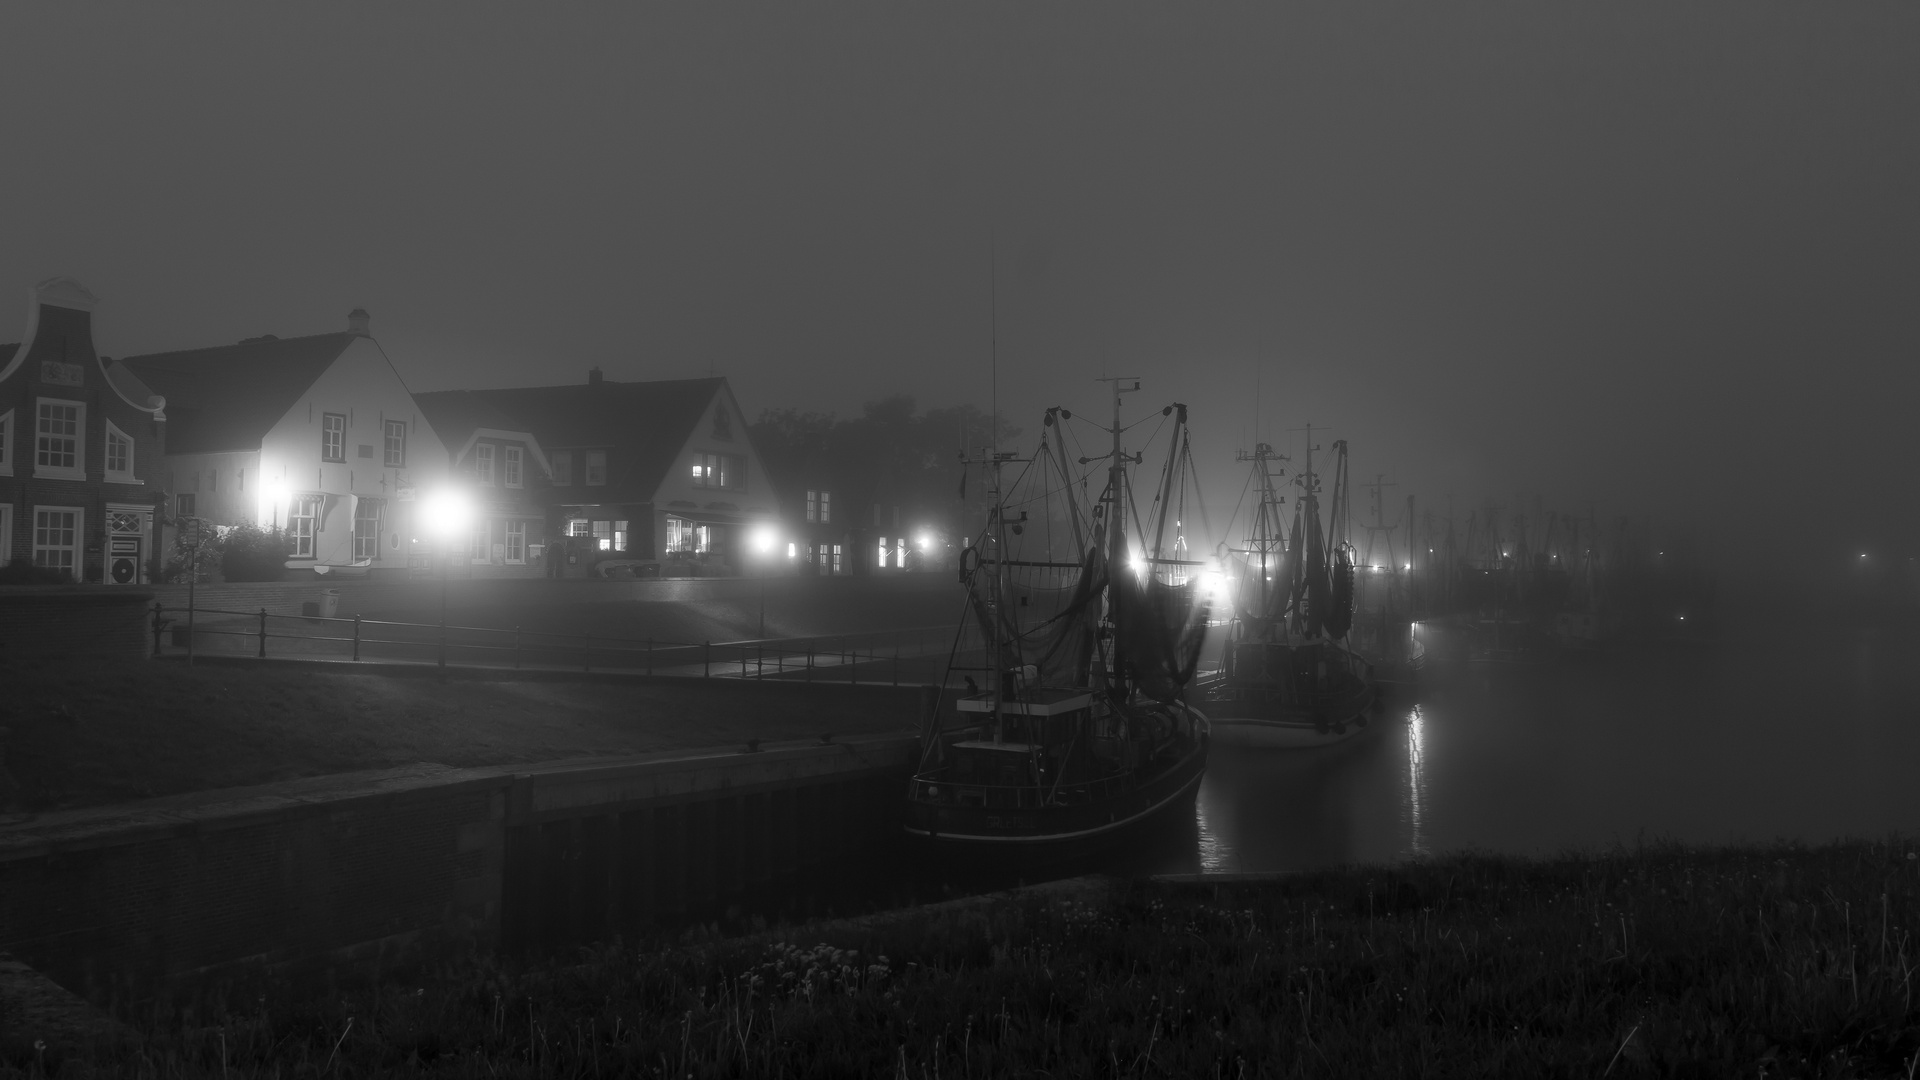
(126, 546)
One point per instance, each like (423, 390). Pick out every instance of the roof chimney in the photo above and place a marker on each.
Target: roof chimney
(593, 376)
(357, 322)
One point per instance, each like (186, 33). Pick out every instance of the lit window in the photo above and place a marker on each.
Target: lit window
(396, 444)
(596, 467)
(562, 468)
(333, 437)
(56, 538)
(579, 527)
(619, 536)
(836, 558)
(301, 518)
(510, 466)
(826, 507)
(719, 470)
(483, 464)
(516, 541)
(57, 447)
(793, 550)
(119, 455)
(603, 535)
(813, 506)
(366, 530)
(883, 551)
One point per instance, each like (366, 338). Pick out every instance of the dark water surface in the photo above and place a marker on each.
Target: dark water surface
(1777, 726)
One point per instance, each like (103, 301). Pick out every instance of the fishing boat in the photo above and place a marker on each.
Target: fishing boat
(1061, 726)
(1288, 678)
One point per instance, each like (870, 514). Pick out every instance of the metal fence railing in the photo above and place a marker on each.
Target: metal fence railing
(913, 656)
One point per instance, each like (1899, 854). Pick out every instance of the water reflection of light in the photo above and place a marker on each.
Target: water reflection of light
(1416, 782)
(1216, 855)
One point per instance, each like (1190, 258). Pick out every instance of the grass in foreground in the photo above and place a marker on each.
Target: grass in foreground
(89, 731)
(1664, 961)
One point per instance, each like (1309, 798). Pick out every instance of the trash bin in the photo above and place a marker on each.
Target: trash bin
(330, 603)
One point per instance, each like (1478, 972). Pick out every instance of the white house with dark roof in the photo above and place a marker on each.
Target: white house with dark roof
(80, 448)
(506, 473)
(315, 435)
(645, 470)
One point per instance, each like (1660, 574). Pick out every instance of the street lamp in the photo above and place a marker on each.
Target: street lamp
(762, 539)
(445, 514)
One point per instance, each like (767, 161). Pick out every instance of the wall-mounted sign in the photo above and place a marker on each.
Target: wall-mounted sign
(404, 494)
(59, 374)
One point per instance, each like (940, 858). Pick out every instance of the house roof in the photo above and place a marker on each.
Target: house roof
(126, 382)
(228, 397)
(456, 414)
(647, 422)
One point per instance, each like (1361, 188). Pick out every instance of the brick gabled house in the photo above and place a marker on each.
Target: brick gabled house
(81, 440)
(646, 470)
(314, 435)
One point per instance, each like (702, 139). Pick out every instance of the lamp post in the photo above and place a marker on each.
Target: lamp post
(446, 513)
(763, 540)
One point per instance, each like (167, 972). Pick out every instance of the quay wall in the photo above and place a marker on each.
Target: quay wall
(65, 620)
(348, 874)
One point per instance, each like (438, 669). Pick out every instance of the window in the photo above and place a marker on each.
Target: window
(792, 550)
(56, 538)
(719, 470)
(516, 542)
(813, 506)
(6, 443)
(510, 466)
(562, 461)
(366, 530)
(619, 536)
(482, 541)
(596, 466)
(333, 437)
(185, 503)
(883, 552)
(684, 535)
(579, 527)
(722, 424)
(603, 535)
(483, 464)
(836, 558)
(826, 507)
(119, 455)
(396, 444)
(57, 445)
(302, 516)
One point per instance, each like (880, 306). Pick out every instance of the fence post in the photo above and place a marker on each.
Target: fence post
(356, 636)
(853, 660)
(263, 633)
(156, 628)
(516, 647)
(809, 663)
(706, 660)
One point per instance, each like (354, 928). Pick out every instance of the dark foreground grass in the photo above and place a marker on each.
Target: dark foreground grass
(1783, 961)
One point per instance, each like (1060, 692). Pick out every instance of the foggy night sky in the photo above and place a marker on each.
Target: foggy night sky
(1662, 258)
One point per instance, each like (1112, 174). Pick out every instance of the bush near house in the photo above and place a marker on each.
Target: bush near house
(251, 553)
(21, 571)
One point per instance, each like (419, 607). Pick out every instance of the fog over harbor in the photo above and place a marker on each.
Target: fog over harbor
(1169, 522)
(1653, 261)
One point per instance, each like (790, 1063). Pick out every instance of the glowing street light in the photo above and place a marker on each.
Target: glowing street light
(446, 514)
(762, 539)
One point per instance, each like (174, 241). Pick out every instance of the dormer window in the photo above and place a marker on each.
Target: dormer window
(510, 466)
(119, 455)
(483, 464)
(596, 467)
(562, 462)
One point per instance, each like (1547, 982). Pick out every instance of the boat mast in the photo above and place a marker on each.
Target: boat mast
(1116, 481)
(997, 522)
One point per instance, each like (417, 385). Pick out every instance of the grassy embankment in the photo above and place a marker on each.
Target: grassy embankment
(83, 732)
(1662, 961)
